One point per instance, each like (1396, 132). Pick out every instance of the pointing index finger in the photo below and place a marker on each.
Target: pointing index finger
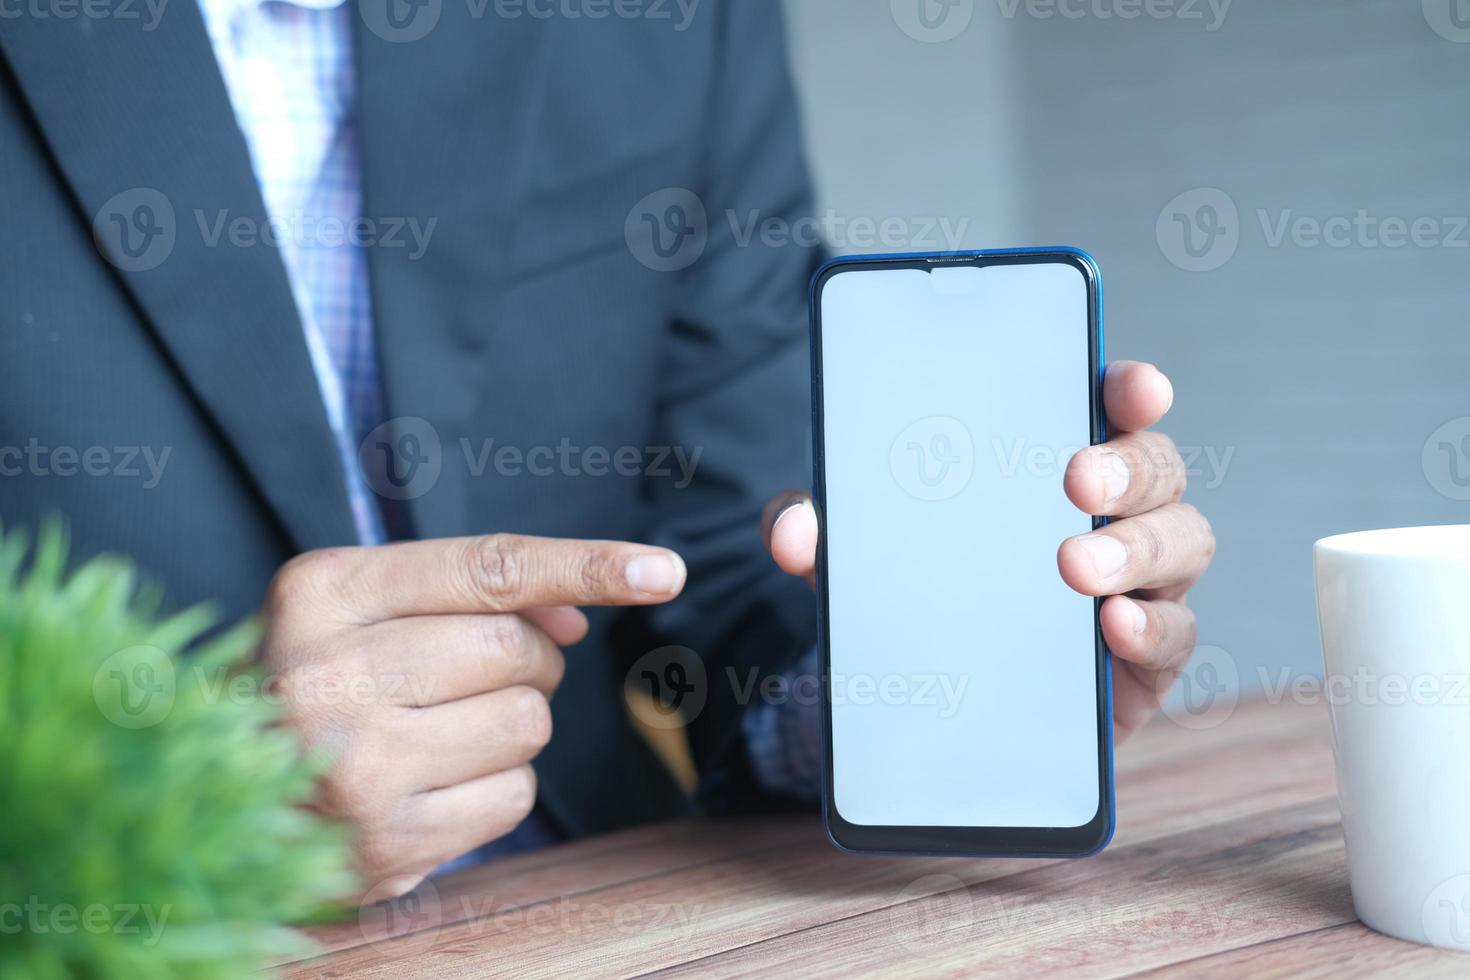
(499, 573)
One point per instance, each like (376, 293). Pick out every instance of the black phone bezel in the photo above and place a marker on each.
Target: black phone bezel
(1080, 841)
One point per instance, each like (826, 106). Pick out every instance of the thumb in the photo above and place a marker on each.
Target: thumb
(789, 526)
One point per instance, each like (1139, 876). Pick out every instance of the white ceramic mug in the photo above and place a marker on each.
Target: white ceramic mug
(1394, 607)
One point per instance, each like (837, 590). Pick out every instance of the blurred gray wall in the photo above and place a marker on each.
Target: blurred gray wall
(1322, 377)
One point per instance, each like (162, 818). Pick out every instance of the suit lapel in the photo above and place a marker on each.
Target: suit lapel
(142, 129)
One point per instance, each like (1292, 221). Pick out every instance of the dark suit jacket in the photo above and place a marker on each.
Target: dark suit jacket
(528, 319)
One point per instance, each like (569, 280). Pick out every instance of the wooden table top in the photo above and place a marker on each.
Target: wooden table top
(1228, 860)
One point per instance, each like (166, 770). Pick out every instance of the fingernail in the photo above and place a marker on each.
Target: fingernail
(655, 574)
(1107, 554)
(1137, 618)
(1115, 476)
(785, 511)
(1170, 385)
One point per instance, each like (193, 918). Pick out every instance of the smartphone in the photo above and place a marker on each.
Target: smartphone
(967, 691)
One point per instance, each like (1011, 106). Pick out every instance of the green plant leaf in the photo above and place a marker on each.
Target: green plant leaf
(152, 812)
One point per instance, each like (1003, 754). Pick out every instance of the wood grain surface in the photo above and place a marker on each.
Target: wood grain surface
(1228, 861)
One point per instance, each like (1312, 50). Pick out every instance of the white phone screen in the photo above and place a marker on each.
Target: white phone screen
(963, 673)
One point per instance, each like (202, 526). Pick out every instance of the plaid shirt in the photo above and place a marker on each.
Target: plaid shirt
(289, 70)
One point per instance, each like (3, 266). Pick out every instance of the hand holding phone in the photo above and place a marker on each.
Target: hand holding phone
(1150, 630)
(1142, 491)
